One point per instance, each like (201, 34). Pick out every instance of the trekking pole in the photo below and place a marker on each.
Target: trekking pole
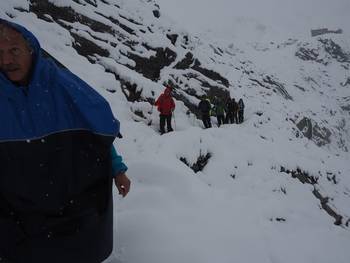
(150, 113)
(174, 121)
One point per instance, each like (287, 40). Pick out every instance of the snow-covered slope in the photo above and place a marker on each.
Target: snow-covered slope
(273, 189)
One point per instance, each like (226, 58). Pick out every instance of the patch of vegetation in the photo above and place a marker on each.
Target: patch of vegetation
(199, 165)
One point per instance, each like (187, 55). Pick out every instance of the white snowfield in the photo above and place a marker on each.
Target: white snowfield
(241, 207)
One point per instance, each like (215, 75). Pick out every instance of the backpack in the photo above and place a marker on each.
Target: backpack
(229, 106)
(234, 106)
(204, 106)
(219, 108)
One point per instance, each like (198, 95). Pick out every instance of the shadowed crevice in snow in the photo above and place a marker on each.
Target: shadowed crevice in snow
(305, 178)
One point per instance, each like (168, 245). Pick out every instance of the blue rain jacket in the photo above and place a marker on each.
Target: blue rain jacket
(56, 158)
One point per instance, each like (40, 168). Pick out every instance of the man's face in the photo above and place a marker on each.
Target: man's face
(15, 56)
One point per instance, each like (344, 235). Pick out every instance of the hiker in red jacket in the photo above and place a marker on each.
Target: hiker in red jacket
(166, 106)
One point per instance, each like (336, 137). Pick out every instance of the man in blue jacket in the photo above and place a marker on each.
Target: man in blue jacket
(57, 160)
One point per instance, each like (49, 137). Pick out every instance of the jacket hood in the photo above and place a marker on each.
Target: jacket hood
(55, 100)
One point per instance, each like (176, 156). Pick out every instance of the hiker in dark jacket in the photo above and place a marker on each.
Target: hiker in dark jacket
(240, 110)
(166, 106)
(57, 160)
(229, 110)
(235, 111)
(204, 107)
(232, 111)
(219, 109)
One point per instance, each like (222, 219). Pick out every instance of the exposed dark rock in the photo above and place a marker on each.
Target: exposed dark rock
(9, 15)
(321, 136)
(186, 62)
(21, 9)
(304, 177)
(334, 50)
(156, 13)
(131, 44)
(91, 2)
(88, 48)
(280, 219)
(305, 126)
(78, 2)
(42, 7)
(346, 108)
(191, 107)
(299, 87)
(217, 51)
(172, 38)
(279, 86)
(322, 31)
(117, 22)
(308, 54)
(283, 190)
(346, 66)
(202, 161)
(324, 204)
(129, 90)
(269, 83)
(332, 177)
(213, 91)
(130, 20)
(210, 73)
(151, 67)
(140, 114)
(346, 83)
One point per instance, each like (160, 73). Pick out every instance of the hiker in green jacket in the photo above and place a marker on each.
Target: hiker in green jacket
(219, 109)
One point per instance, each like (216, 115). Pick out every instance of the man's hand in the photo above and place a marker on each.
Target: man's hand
(122, 182)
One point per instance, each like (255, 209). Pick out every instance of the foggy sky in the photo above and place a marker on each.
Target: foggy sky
(294, 17)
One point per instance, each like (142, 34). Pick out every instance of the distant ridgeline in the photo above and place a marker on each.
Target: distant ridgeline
(322, 31)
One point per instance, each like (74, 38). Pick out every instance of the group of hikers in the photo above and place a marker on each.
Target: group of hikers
(226, 110)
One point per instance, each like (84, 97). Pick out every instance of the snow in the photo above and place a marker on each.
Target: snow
(240, 207)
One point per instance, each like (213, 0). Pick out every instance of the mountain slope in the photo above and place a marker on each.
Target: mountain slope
(277, 184)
